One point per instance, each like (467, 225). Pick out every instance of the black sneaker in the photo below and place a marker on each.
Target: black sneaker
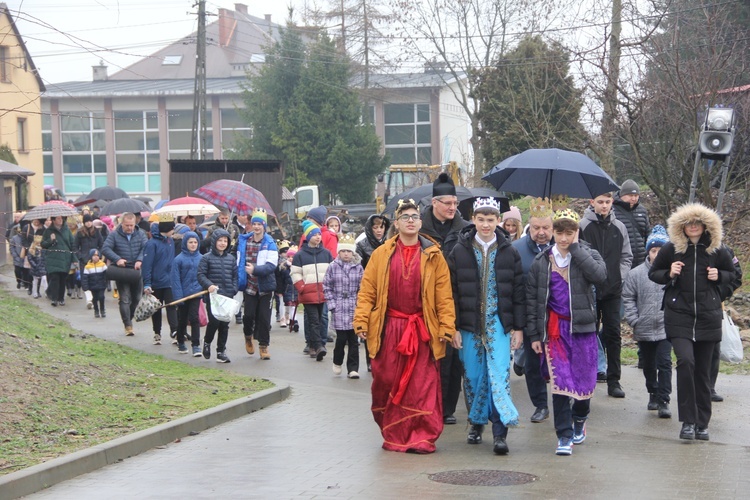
(321, 353)
(207, 350)
(182, 348)
(653, 402)
(221, 357)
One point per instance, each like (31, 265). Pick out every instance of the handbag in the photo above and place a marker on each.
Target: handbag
(202, 314)
(146, 307)
(126, 275)
(731, 342)
(23, 252)
(223, 308)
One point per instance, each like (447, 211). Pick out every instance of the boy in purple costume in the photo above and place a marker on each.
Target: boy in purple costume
(561, 325)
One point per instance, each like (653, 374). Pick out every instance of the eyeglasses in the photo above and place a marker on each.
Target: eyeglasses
(407, 217)
(448, 203)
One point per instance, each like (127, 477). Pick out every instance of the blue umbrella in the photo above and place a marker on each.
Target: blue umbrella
(546, 172)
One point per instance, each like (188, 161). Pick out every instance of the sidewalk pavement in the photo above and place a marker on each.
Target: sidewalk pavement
(321, 442)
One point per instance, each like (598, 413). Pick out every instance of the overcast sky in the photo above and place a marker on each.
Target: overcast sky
(66, 38)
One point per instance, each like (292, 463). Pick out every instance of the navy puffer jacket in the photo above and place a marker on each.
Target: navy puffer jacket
(185, 269)
(218, 268)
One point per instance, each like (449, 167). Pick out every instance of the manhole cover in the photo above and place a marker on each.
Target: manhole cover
(482, 477)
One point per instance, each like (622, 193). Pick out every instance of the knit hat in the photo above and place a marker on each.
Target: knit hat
(334, 218)
(93, 252)
(318, 214)
(166, 222)
(259, 215)
(629, 187)
(657, 238)
(443, 186)
(87, 218)
(513, 213)
(292, 251)
(310, 229)
(347, 242)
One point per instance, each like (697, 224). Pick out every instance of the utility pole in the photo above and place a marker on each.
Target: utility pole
(198, 137)
(609, 113)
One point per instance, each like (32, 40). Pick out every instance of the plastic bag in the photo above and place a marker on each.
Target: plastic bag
(202, 314)
(731, 342)
(146, 307)
(223, 308)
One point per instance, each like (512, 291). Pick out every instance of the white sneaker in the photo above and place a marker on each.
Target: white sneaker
(353, 374)
(157, 339)
(336, 369)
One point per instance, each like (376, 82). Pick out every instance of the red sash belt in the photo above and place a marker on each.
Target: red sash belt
(415, 331)
(553, 324)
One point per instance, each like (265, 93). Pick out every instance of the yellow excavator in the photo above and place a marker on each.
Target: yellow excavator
(400, 178)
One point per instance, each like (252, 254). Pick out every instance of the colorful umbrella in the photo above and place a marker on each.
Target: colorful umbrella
(234, 195)
(188, 205)
(54, 208)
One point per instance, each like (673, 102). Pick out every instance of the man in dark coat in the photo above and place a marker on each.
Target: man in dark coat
(634, 216)
(442, 222)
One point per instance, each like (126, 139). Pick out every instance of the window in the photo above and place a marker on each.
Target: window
(84, 160)
(408, 133)
(4, 64)
(137, 151)
(21, 133)
(180, 125)
(49, 177)
(233, 129)
(171, 60)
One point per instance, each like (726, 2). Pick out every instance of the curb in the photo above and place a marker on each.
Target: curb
(39, 477)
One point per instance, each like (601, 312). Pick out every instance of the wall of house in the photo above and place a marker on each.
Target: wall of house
(20, 122)
(454, 129)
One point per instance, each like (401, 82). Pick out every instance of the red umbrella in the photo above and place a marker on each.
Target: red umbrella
(234, 195)
(188, 205)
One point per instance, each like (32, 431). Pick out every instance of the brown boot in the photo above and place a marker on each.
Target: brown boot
(264, 352)
(249, 347)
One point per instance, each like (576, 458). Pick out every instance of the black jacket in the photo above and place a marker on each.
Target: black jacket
(586, 269)
(467, 284)
(692, 303)
(636, 222)
(218, 269)
(609, 237)
(367, 244)
(447, 235)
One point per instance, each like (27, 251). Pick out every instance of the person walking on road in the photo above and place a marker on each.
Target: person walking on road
(94, 280)
(258, 257)
(185, 283)
(57, 243)
(156, 270)
(490, 302)
(693, 265)
(124, 248)
(405, 311)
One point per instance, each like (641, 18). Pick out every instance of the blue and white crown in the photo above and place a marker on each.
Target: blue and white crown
(487, 203)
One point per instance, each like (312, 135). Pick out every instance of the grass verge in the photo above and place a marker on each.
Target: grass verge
(62, 390)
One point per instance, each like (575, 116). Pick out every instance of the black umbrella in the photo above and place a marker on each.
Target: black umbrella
(123, 205)
(546, 172)
(422, 196)
(104, 193)
(466, 207)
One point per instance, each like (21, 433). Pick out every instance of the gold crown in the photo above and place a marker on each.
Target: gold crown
(347, 239)
(166, 217)
(566, 214)
(559, 202)
(541, 208)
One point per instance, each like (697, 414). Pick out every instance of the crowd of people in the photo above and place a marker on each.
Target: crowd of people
(442, 305)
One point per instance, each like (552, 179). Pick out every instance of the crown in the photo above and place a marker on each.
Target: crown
(559, 202)
(486, 203)
(347, 239)
(405, 201)
(166, 217)
(541, 208)
(566, 214)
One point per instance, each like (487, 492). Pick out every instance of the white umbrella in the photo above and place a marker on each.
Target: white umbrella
(187, 205)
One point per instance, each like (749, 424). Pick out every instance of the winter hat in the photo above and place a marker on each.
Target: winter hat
(513, 213)
(335, 218)
(108, 221)
(98, 223)
(166, 222)
(93, 252)
(87, 218)
(318, 214)
(657, 238)
(629, 187)
(347, 242)
(443, 186)
(292, 251)
(259, 215)
(310, 229)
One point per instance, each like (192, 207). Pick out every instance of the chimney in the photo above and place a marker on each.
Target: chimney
(100, 72)
(226, 25)
(268, 18)
(241, 8)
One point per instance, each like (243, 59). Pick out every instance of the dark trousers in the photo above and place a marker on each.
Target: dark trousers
(315, 336)
(564, 413)
(535, 384)
(130, 295)
(165, 296)
(256, 321)
(56, 286)
(213, 326)
(451, 371)
(608, 323)
(97, 298)
(715, 358)
(693, 380)
(23, 276)
(187, 314)
(657, 367)
(346, 338)
(279, 304)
